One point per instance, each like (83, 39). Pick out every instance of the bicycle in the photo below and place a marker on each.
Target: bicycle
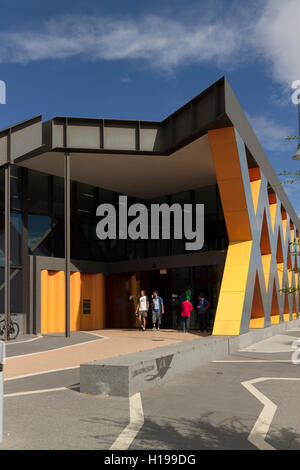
(13, 329)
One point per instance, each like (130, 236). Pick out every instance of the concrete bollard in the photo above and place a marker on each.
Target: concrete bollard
(2, 359)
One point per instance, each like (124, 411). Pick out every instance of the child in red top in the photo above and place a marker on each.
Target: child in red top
(186, 308)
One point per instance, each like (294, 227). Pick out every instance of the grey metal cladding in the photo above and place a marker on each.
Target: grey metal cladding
(25, 139)
(20, 139)
(3, 148)
(241, 123)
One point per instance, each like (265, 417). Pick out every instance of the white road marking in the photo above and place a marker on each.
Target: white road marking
(260, 429)
(262, 351)
(96, 334)
(128, 434)
(56, 349)
(34, 392)
(26, 341)
(40, 373)
(253, 361)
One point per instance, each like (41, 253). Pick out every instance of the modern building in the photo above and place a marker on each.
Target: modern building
(56, 275)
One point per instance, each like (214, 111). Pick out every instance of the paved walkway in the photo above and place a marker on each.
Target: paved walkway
(29, 344)
(97, 345)
(249, 400)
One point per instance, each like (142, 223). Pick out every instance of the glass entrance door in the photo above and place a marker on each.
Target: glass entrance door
(176, 284)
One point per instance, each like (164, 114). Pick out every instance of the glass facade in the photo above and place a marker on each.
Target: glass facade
(175, 284)
(37, 212)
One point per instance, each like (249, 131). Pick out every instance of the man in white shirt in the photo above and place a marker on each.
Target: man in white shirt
(142, 309)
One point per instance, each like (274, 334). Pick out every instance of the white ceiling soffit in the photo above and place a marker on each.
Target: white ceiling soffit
(144, 176)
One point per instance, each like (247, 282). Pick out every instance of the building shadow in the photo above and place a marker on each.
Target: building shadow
(204, 433)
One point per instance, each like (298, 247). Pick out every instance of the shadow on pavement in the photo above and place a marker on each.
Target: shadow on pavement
(204, 433)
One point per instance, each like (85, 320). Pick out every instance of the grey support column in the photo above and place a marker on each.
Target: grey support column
(67, 238)
(7, 250)
(25, 277)
(2, 360)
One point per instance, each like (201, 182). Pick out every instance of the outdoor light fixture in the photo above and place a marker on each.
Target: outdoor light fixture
(297, 154)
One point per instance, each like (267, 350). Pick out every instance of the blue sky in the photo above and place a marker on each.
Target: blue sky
(142, 60)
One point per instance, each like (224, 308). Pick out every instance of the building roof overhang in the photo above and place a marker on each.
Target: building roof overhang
(40, 145)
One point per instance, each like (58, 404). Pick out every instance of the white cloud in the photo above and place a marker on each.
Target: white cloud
(159, 41)
(270, 133)
(292, 191)
(277, 38)
(261, 30)
(125, 79)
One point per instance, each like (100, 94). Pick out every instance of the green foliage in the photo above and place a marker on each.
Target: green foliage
(295, 243)
(289, 290)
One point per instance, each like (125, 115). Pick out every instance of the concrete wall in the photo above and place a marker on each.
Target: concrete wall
(132, 373)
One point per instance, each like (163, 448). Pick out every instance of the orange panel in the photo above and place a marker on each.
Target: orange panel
(75, 291)
(280, 271)
(295, 313)
(93, 289)
(225, 153)
(284, 228)
(134, 289)
(122, 291)
(257, 323)
(275, 317)
(265, 246)
(286, 311)
(52, 302)
(289, 260)
(257, 313)
(272, 198)
(254, 174)
(273, 212)
(232, 293)
(44, 299)
(89, 286)
(230, 182)
(255, 190)
(266, 263)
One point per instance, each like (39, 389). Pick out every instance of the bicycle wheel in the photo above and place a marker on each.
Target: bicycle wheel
(13, 330)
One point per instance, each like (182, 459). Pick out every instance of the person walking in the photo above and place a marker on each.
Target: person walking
(157, 310)
(203, 306)
(186, 308)
(142, 309)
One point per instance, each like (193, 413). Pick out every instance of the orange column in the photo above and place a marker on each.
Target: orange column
(230, 182)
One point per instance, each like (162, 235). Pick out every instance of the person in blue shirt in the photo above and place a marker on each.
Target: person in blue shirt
(203, 306)
(157, 310)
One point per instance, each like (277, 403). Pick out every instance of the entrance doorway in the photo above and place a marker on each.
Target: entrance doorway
(121, 294)
(173, 285)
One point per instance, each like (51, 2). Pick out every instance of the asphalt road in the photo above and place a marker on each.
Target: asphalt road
(248, 401)
(22, 345)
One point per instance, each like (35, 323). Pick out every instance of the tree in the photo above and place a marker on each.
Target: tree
(294, 245)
